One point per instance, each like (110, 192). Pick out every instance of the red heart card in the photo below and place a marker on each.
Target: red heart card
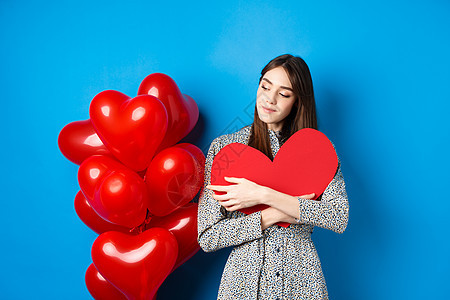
(306, 163)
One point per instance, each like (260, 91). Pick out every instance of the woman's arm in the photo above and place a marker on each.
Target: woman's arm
(216, 227)
(270, 216)
(331, 212)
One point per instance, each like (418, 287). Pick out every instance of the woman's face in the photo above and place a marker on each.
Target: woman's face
(274, 98)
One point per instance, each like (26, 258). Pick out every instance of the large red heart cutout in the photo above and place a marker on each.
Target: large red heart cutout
(306, 163)
(183, 224)
(78, 140)
(131, 128)
(181, 109)
(116, 193)
(136, 265)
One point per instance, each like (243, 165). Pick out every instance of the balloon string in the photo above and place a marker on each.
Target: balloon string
(148, 218)
(143, 227)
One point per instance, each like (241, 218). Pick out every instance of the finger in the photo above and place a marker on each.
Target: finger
(227, 202)
(221, 188)
(223, 197)
(308, 196)
(233, 179)
(232, 207)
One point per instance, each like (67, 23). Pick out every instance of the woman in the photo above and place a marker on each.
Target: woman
(269, 261)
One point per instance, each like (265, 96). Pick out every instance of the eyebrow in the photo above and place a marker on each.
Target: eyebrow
(283, 87)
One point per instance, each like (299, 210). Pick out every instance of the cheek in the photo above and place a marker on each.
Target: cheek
(258, 94)
(288, 107)
(260, 98)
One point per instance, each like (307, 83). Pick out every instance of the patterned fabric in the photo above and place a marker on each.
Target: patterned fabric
(275, 263)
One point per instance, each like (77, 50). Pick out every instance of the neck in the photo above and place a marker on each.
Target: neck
(274, 128)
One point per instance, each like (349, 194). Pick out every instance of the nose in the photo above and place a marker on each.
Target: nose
(268, 97)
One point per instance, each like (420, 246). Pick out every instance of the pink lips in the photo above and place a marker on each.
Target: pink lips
(267, 109)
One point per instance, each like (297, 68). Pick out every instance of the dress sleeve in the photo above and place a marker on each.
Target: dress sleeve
(218, 228)
(331, 212)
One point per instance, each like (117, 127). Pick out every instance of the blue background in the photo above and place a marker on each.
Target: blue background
(381, 71)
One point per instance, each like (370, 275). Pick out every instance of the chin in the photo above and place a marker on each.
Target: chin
(262, 117)
(266, 121)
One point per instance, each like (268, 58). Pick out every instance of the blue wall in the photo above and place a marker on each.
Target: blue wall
(381, 71)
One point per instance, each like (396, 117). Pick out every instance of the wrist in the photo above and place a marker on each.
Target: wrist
(267, 196)
(268, 217)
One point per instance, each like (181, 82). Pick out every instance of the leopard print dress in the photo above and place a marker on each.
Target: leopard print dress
(275, 263)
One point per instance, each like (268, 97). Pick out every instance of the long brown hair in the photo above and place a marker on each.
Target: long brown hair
(303, 112)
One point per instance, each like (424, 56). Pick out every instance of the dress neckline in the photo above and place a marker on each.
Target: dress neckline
(277, 132)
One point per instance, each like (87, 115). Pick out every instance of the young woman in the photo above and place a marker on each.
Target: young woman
(269, 261)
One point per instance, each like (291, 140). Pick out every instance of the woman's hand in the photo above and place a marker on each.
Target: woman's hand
(244, 193)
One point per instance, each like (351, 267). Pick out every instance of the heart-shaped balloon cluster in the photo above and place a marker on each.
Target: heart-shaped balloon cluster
(136, 186)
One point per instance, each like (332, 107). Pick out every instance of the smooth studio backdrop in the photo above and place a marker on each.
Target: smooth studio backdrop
(381, 72)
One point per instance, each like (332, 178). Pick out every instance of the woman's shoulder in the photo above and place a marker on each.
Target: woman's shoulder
(239, 136)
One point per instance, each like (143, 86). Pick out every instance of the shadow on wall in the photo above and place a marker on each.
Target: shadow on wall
(190, 280)
(194, 137)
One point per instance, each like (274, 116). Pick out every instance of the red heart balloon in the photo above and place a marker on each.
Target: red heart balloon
(306, 163)
(99, 287)
(182, 109)
(136, 265)
(131, 128)
(199, 158)
(183, 224)
(173, 178)
(89, 217)
(116, 193)
(196, 152)
(78, 140)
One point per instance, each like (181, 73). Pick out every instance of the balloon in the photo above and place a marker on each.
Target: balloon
(196, 152)
(78, 140)
(116, 193)
(199, 158)
(173, 178)
(182, 109)
(89, 217)
(182, 223)
(132, 173)
(136, 265)
(131, 128)
(99, 288)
